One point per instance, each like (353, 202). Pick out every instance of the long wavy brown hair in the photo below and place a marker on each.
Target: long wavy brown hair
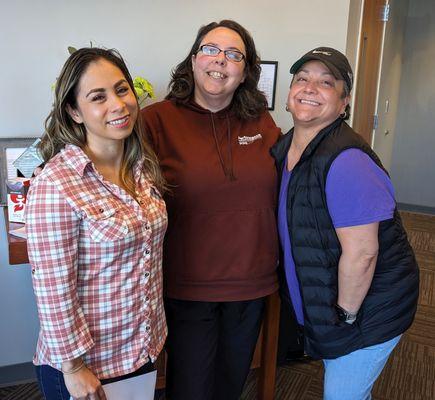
(61, 129)
(248, 102)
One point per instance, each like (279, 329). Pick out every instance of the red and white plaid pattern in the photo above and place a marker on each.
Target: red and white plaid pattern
(96, 257)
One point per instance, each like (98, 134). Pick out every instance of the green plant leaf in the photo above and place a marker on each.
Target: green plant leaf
(143, 88)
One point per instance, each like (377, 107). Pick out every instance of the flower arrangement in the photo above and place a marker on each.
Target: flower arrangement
(143, 89)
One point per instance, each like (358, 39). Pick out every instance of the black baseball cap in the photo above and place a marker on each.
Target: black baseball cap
(333, 59)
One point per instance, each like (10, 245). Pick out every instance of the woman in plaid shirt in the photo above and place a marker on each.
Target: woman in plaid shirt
(95, 220)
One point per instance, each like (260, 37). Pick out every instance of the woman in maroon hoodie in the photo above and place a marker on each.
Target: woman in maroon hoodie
(212, 135)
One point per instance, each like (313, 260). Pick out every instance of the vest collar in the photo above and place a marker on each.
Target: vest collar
(280, 149)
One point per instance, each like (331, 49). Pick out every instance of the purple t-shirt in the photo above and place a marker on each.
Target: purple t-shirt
(284, 237)
(358, 192)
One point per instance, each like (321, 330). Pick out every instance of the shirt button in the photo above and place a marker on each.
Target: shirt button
(147, 227)
(147, 252)
(147, 274)
(147, 328)
(147, 298)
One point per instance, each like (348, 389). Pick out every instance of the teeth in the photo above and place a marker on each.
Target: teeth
(118, 121)
(313, 103)
(217, 75)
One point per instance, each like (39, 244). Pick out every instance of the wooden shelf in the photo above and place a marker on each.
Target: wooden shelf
(17, 246)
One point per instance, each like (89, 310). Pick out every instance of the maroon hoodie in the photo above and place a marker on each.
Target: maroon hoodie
(221, 243)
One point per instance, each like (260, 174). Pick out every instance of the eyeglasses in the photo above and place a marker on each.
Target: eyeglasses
(213, 51)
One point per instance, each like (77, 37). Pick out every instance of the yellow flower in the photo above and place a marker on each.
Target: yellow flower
(143, 89)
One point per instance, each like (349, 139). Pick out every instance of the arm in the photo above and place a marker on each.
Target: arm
(81, 382)
(359, 196)
(53, 230)
(52, 237)
(357, 264)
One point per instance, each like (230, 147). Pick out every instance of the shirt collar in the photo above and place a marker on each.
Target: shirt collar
(76, 158)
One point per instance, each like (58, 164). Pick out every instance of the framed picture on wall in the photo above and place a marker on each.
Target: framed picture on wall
(10, 150)
(267, 82)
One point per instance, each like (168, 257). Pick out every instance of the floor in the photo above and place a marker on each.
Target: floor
(410, 372)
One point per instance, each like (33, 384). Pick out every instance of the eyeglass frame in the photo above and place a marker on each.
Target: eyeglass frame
(220, 51)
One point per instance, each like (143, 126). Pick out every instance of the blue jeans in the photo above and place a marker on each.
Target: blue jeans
(51, 383)
(351, 377)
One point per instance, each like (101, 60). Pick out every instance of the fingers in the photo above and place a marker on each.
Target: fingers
(97, 395)
(101, 393)
(84, 385)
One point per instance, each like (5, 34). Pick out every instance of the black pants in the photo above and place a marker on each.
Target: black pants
(290, 340)
(210, 347)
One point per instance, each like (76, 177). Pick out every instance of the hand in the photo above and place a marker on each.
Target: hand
(83, 384)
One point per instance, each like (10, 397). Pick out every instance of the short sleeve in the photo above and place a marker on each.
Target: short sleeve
(358, 191)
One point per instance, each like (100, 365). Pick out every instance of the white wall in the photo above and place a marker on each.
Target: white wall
(153, 36)
(18, 315)
(413, 163)
(352, 44)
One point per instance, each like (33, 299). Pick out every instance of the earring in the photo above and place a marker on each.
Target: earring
(343, 115)
(286, 108)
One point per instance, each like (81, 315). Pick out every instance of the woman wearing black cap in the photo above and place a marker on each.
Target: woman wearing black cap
(351, 275)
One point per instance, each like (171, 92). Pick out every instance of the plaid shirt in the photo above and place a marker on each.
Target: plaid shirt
(96, 257)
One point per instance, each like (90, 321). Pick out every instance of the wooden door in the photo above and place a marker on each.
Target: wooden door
(372, 32)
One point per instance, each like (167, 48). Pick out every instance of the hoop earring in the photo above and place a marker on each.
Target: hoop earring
(286, 108)
(343, 115)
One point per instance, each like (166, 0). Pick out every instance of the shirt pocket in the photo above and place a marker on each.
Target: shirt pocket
(105, 221)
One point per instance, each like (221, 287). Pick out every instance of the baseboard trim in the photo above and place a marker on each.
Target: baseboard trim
(17, 374)
(416, 208)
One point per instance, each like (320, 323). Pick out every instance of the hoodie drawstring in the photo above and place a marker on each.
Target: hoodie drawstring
(229, 172)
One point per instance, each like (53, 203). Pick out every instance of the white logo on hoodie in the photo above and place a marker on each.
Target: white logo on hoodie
(244, 140)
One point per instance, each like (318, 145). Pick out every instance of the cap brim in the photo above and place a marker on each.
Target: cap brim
(298, 65)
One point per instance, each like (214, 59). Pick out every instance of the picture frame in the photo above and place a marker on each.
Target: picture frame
(10, 149)
(267, 82)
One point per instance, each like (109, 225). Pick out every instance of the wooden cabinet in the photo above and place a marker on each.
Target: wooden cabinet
(17, 247)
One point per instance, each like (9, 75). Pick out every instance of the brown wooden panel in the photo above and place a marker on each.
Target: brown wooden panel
(17, 247)
(161, 370)
(368, 68)
(267, 373)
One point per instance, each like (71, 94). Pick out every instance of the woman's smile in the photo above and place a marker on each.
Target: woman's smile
(121, 122)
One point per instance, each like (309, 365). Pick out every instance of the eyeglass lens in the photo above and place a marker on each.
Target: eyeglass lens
(231, 55)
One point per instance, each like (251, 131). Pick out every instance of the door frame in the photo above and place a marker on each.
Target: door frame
(368, 67)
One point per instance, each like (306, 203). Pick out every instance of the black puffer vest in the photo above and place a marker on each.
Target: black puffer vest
(389, 307)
